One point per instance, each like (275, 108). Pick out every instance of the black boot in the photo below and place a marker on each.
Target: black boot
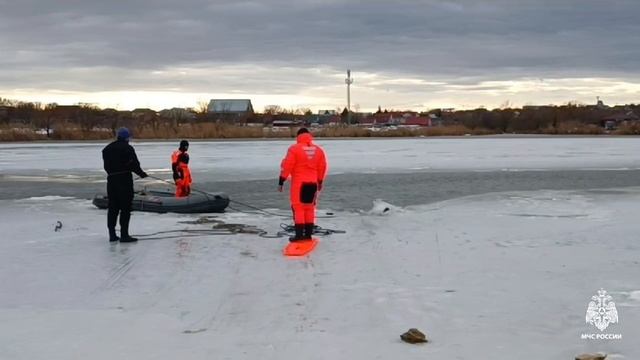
(112, 219)
(308, 231)
(112, 235)
(125, 216)
(128, 239)
(298, 236)
(125, 237)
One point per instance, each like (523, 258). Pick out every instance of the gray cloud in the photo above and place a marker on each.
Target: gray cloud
(95, 45)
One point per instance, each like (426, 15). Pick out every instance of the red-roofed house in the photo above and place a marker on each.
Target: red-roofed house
(334, 120)
(416, 121)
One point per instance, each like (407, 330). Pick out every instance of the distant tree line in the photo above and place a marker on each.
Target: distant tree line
(53, 120)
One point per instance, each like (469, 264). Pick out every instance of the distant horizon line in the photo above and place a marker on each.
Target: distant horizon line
(317, 109)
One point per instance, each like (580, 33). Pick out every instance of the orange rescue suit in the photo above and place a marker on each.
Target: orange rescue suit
(306, 163)
(174, 163)
(174, 156)
(183, 180)
(183, 185)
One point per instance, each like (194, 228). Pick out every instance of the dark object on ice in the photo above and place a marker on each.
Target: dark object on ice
(591, 357)
(414, 336)
(165, 201)
(113, 237)
(58, 226)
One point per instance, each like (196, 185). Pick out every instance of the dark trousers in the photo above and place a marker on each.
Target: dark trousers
(120, 195)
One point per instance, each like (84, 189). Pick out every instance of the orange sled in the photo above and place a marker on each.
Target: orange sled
(300, 248)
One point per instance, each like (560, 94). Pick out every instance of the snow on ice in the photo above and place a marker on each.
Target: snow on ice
(506, 274)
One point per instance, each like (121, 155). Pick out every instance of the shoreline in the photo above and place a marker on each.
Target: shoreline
(333, 138)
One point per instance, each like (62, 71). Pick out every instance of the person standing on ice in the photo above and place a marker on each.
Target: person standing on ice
(306, 163)
(183, 183)
(182, 149)
(119, 161)
(181, 171)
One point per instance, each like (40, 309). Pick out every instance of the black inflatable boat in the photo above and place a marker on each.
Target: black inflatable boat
(166, 201)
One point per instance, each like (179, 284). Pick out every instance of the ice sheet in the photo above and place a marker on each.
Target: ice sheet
(497, 276)
(243, 160)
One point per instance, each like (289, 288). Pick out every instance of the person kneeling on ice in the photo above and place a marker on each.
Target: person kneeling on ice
(182, 149)
(119, 161)
(306, 163)
(183, 183)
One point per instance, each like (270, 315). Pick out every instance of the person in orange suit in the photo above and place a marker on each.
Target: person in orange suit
(182, 149)
(306, 163)
(183, 183)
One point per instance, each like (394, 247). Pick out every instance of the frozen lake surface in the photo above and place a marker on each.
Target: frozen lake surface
(401, 171)
(507, 273)
(250, 160)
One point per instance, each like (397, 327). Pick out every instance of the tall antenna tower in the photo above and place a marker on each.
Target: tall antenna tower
(348, 81)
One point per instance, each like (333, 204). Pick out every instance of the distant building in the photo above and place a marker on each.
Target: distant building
(601, 105)
(327, 112)
(435, 120)
(334, 120)
(286, 123)
(323, 117)
(143, 114)
(4, 112)
(374, 120)
(178, 114)
(238, 107)
(110, 112)
(407, 119)
(417, 121)
(619, 119)
(388, 118)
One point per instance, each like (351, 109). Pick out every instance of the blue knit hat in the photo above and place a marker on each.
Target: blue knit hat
(123, 133)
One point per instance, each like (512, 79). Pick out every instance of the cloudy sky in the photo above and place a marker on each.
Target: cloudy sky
(403, 54)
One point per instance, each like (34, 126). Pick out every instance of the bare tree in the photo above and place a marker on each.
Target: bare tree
(9, 102)
(273, 110)
(46, 117)
(202, 107)
(27, 111)
(302, 111)
(506, 105)
(88, 115)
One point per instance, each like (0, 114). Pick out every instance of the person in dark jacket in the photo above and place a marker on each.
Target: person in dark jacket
(119, 161)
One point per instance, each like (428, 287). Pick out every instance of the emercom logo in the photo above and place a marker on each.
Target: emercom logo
(601, 313)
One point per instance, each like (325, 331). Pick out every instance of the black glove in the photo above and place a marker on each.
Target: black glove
(281, 181)
(143, 175)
